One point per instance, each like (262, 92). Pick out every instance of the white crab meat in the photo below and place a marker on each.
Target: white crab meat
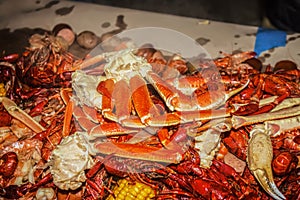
(69, 160)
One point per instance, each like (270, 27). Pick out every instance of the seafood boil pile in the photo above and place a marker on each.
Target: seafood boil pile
(140, 124)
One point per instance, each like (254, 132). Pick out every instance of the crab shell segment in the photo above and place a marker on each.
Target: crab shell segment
(259, 159)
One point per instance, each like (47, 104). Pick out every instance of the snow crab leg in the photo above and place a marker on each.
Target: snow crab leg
(286, 103)
(239, 121)
(279, 126)
(138, 151)
(87, 118)
(178, 101)
(19, 114)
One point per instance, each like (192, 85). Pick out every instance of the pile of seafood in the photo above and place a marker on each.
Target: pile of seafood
(141, 124)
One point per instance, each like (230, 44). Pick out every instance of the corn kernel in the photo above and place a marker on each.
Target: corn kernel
(120, 196)
(144, 193)
(123, 181)
(130, 196)
(148, 190)
(2, 90)
(123, 192)
(152, 194)
(136, 188)
(140, 197)
(139, 185)
(134, 192)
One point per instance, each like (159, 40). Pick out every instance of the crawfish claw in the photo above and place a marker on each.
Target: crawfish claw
(259, 158)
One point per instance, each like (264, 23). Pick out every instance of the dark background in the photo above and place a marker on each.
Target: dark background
(280, 14)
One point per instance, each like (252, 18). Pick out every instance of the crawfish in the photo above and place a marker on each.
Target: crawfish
(188, 179)
(50, 137)
(261, 85)
(207, 186)
(15, 191)
(9, 164)
(5, 119)
(291, 74)
(98, 182)
(237, 142)
(284, 162)
(48, 65)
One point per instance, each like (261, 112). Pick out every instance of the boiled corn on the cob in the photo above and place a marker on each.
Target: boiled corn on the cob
(2, 90)
(132, 190)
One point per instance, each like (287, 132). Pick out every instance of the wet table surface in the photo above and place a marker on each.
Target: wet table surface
(213, 36)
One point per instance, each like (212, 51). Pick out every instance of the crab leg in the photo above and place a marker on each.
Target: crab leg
(220, 125)
(138, 151)
(149, 114)
(106, 88)
(175, 100)
(143, 104)
(133, 122)
(216, 98)
(166, 119)
(277, 127)
(84, 111)
(86, 118)
(200, 115)
(68, 118)
(287, 103)
(109, 129)
(259, 158)
(91, 61)
(239, 121)
(19, 114)
(146, 109)
(122, 99)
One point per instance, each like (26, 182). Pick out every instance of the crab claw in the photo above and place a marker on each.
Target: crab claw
(259, 158)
